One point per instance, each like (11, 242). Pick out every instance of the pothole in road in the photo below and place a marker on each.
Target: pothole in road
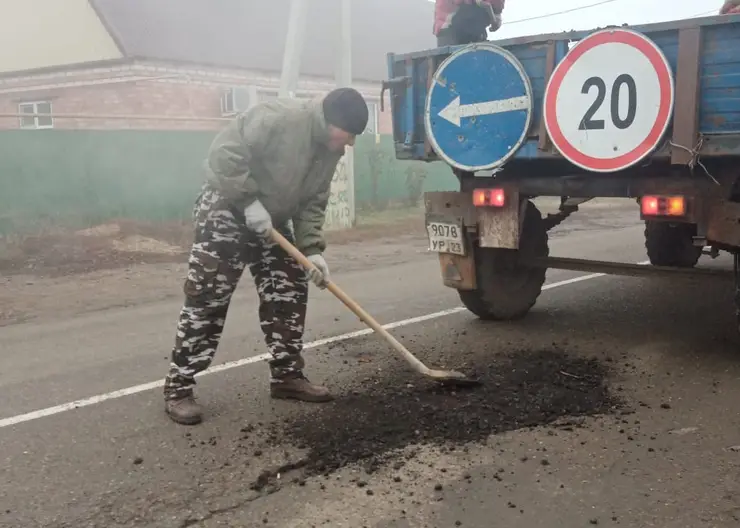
(523, 389)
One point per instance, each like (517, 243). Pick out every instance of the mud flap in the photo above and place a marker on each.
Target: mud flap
(457, 271)
(499, 227)
(456, 258)
(724, 218)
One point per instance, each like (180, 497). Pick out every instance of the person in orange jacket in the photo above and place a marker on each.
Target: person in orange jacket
(458, 22)
(730, 7)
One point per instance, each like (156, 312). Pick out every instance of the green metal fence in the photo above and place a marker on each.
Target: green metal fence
(85, 177)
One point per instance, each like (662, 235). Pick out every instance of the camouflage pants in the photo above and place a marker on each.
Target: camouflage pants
(222, 249)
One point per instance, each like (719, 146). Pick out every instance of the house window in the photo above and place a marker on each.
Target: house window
(36, 121)
(372, 122)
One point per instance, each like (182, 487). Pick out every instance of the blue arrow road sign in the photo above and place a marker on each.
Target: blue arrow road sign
(479, 107)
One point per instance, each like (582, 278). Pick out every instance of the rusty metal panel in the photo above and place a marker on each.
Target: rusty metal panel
(428, 151)
(724, 223)
(686, 109)
(451, 204)
(544, 140)
(720, 82)
(458, 272)
(499, 227)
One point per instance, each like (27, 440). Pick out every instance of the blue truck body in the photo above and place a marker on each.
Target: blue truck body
(707, 94)
(490, 237)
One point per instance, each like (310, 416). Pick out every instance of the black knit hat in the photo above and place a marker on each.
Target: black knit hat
(345, 108)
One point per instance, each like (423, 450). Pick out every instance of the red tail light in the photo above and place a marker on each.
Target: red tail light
(663, 206)
(650, 206)
(489, 197)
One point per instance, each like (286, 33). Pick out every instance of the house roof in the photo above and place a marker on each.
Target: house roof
(250, 34)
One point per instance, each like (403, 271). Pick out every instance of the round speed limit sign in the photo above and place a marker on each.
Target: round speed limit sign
(609, 101)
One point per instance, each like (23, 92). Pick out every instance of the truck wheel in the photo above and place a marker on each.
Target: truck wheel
(506, 289)
(671, 244)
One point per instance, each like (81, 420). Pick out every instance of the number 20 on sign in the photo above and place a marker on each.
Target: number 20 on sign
(609, 101)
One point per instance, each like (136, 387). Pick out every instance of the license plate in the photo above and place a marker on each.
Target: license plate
(446, 237)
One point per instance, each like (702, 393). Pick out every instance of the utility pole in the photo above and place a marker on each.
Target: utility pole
(294, 43)
(341, 210)
(344, 79)
(344, 57)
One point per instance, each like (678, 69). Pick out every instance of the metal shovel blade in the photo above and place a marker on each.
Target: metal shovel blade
(452, 378)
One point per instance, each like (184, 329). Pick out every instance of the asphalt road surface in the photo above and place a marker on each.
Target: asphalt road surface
(614, 403)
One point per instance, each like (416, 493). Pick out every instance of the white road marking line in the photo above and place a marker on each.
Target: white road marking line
(572, 281)
(100, 398)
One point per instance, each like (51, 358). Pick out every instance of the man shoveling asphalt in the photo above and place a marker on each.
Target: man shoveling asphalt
(271, 166)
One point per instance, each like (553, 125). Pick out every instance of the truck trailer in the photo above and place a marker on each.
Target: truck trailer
(649, 113)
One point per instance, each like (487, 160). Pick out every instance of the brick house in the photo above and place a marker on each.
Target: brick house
(184, 64)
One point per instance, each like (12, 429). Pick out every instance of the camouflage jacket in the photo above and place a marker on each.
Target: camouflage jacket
(276, 152)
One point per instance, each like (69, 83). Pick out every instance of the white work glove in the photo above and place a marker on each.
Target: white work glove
(257, 218)
(320, 276)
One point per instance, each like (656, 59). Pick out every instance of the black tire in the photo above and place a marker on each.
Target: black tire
(507, 290)
(671, 244)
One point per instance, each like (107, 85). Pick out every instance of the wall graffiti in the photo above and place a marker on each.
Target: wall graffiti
(339, 212)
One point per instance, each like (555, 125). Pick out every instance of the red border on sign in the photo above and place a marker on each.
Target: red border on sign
(661, 121)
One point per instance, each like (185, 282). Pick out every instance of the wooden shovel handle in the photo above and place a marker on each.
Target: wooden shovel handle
(352, 305)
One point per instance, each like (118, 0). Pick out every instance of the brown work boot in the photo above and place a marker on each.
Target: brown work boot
(299, 388)
(184, 409)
